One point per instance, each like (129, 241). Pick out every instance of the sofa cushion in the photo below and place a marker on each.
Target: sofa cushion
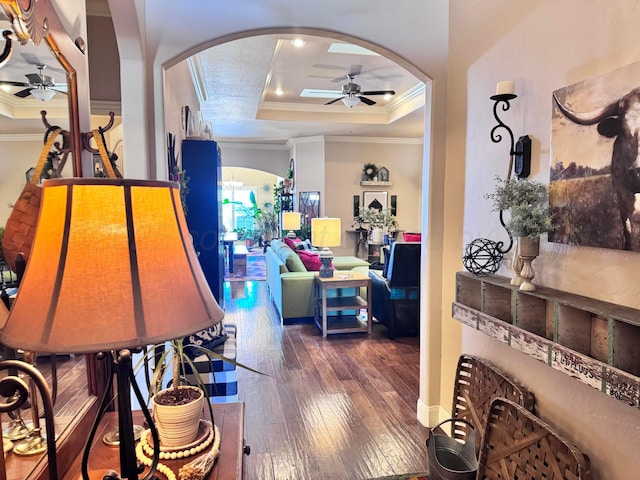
(348, 262)
(311, 260)
(293, 262)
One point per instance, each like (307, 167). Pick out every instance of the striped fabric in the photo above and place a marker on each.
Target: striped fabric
(220, 377)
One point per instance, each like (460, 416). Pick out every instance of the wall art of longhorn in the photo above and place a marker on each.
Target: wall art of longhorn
(594, 190)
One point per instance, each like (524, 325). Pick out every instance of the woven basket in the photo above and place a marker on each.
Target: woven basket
(518, 445)
(477, 383)
(21, 224)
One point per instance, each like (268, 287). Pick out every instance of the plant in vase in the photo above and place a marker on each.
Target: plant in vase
(527, 202)
(380, 222)
(177, 408)
(267, 223)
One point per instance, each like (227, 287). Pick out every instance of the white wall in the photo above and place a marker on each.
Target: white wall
(541, 45)
(266, 157)
(310, 173)
(345, 158)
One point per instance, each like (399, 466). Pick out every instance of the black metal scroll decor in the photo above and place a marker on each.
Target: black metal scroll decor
(483, 256)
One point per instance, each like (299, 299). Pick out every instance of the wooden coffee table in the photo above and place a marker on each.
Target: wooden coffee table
(342, 323)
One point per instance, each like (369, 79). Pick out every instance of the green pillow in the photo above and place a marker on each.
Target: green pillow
(294, 264)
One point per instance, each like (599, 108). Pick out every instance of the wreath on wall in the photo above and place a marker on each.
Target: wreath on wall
(370, 171)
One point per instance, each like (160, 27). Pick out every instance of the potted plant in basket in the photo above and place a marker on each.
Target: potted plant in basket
(527, 202)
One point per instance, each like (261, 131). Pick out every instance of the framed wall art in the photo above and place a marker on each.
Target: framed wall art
(594, 176)
(377, 200)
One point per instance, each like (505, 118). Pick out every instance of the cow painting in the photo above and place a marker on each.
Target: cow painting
(619, 119)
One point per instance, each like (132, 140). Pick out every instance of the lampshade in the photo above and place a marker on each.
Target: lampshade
(43, 94)
(112, 266)
(326, 232)
(351, 101)
(291, 220)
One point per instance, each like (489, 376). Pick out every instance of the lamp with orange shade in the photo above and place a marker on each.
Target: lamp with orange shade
(112, 268)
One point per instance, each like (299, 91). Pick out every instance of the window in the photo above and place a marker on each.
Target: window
(237, 213)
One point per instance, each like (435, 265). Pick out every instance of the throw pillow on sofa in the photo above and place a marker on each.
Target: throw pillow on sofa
(293, 243)
(311, 260)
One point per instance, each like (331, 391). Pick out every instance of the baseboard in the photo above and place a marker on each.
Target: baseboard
(430, 416)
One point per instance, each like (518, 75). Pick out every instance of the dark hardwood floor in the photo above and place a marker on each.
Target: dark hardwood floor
(342, 408)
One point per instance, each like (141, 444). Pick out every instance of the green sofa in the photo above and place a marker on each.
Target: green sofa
(291, 285)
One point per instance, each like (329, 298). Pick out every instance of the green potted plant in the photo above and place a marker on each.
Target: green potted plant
(527, 202)
(380, 222)
(177, 409)
(267, 223)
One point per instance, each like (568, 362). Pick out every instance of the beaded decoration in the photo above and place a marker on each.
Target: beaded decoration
(143, 449)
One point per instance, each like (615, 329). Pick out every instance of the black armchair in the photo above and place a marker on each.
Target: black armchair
(395, 300)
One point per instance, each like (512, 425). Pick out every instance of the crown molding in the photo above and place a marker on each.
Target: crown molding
(104, 107)
(388, 140)
(251, 146)
(197, 78)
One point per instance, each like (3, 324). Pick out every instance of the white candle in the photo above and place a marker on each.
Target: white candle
(506, 87)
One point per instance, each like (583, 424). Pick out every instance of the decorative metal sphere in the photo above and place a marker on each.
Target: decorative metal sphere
(482, 257)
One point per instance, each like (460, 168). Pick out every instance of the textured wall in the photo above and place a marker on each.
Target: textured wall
(542, 46)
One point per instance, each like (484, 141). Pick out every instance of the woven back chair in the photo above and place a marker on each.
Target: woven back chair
(477, 383)
(519, 446)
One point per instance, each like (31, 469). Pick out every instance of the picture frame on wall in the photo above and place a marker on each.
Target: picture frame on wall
(377, 200)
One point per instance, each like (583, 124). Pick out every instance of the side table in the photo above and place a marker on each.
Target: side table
(229, 417)
(323, 305)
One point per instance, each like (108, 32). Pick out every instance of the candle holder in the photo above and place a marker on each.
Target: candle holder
(519, 152)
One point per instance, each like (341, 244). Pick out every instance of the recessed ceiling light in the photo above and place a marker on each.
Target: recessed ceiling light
(279, 91)
(298, 42)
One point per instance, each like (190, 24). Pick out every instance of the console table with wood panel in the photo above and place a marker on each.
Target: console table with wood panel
(229, 418)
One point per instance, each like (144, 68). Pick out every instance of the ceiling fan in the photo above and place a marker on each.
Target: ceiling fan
(41, 86)
(352, 95)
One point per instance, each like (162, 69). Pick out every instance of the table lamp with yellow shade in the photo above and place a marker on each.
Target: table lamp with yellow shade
(291, 222)
(325, 233)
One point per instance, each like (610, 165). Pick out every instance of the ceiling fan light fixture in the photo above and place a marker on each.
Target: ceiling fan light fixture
(43, 94)
(351, 101)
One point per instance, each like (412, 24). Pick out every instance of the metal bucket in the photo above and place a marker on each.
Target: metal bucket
(450, 459)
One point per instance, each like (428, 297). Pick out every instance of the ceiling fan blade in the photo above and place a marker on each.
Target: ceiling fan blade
(379, 92)
(334, 100)
(14, 84)
(366, 100)
(34, 78)
(24, 93)
(63, 92)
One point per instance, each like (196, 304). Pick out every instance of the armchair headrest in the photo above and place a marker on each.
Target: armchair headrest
(404, 265)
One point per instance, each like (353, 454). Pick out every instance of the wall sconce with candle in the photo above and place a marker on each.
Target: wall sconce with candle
(520, 151)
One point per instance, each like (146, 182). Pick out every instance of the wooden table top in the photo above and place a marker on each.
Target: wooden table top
(229, 418)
